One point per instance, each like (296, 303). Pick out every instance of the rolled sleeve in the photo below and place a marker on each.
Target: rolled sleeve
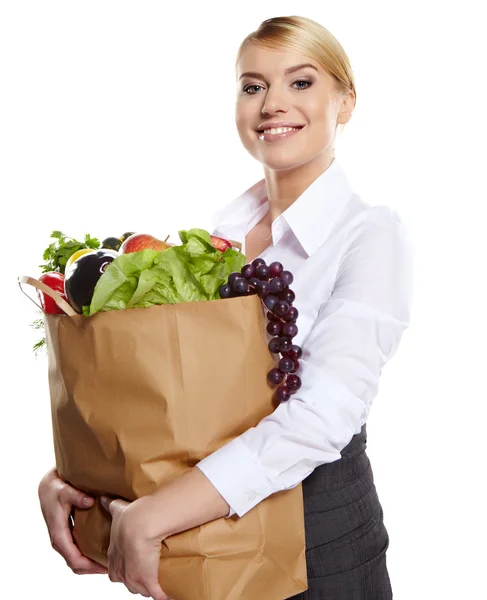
(243, 491)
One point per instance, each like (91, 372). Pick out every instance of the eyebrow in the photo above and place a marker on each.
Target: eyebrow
(286, 72)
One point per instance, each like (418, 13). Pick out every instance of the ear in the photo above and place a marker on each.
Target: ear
(346, 108)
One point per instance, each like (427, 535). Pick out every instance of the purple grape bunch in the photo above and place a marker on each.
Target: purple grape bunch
(271, 283)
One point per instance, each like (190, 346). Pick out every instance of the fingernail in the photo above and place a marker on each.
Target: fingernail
(87, 501)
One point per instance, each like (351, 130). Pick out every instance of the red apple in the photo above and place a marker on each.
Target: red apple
(143, 241)
(220, 243)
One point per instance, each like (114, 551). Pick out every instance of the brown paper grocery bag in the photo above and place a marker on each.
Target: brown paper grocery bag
(139, 396)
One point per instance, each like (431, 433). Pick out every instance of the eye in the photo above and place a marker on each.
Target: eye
(309, 83)
(248, 87)
(306, 85)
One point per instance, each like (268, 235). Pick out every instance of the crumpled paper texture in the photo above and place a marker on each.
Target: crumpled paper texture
(138, 397)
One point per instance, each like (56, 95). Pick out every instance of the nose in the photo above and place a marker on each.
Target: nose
(275, 101)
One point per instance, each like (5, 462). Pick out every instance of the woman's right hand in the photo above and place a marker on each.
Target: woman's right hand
(57, 498)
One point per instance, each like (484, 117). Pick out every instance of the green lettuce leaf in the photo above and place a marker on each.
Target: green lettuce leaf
(119, 282)
(191, 272)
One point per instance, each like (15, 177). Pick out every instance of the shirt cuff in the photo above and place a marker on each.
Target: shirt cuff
(241, 480)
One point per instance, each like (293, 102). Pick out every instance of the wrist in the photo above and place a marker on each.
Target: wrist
(185, 502)
(149, 518)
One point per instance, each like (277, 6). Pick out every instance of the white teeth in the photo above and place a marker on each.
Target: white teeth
(278, 130)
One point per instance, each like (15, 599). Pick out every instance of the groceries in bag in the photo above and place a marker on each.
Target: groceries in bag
(139, 394)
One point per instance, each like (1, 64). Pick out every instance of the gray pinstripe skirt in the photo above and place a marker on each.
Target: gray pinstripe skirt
(346, 540)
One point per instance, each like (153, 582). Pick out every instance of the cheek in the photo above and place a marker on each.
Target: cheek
(239, 122)
(244, 120)
(318, 107)
(317, 110)
(321, 118)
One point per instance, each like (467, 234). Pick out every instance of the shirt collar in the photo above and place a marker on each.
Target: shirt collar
(311, 217)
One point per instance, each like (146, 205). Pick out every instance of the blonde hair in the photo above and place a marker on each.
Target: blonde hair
(309, 38)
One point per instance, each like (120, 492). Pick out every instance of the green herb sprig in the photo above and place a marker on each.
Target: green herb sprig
(58, 253)
(40, 345)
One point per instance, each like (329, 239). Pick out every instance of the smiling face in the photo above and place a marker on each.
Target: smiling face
(276, 88)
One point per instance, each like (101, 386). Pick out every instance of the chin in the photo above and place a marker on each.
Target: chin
(280, 166)
(282, 163)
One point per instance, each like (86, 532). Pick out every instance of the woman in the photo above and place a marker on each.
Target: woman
(353, 282)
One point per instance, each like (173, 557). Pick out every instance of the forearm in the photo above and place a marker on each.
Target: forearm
(185, 502)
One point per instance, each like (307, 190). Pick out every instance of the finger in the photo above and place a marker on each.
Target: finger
(148, 590)
(113, 505)
(62, 542)
(143, 590)
(135, 589)
(114, 578)
(107, 503)
(91, 571)
(156, 592)
(83, 565)
(70, 495)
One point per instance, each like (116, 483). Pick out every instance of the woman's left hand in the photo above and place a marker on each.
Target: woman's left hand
(134, 551)
(139, 527)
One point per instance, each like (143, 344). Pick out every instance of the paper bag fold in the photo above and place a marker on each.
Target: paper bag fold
(139, 396)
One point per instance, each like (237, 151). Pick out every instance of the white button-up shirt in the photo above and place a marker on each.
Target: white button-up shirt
(353, 279)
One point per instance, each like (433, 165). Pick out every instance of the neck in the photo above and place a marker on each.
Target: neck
(284, 187)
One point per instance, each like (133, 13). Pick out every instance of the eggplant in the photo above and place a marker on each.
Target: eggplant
(82, 276)
(111, 243)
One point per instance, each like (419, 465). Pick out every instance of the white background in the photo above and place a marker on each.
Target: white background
(119, 116)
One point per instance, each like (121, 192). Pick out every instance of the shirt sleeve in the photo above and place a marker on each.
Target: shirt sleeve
(357, 331)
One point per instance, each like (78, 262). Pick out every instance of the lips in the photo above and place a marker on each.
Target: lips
(278, 137)
(280, 127)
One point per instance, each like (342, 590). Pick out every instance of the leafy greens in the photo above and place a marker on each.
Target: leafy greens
(190, 272)
(56, 255)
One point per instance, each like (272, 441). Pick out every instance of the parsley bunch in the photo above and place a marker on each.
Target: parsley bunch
(56, 256)
(58, 253)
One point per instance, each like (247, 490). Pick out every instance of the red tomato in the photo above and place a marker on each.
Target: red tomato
(55, 281)
(220, 243)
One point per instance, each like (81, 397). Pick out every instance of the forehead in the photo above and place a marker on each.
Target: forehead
(272, 63)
